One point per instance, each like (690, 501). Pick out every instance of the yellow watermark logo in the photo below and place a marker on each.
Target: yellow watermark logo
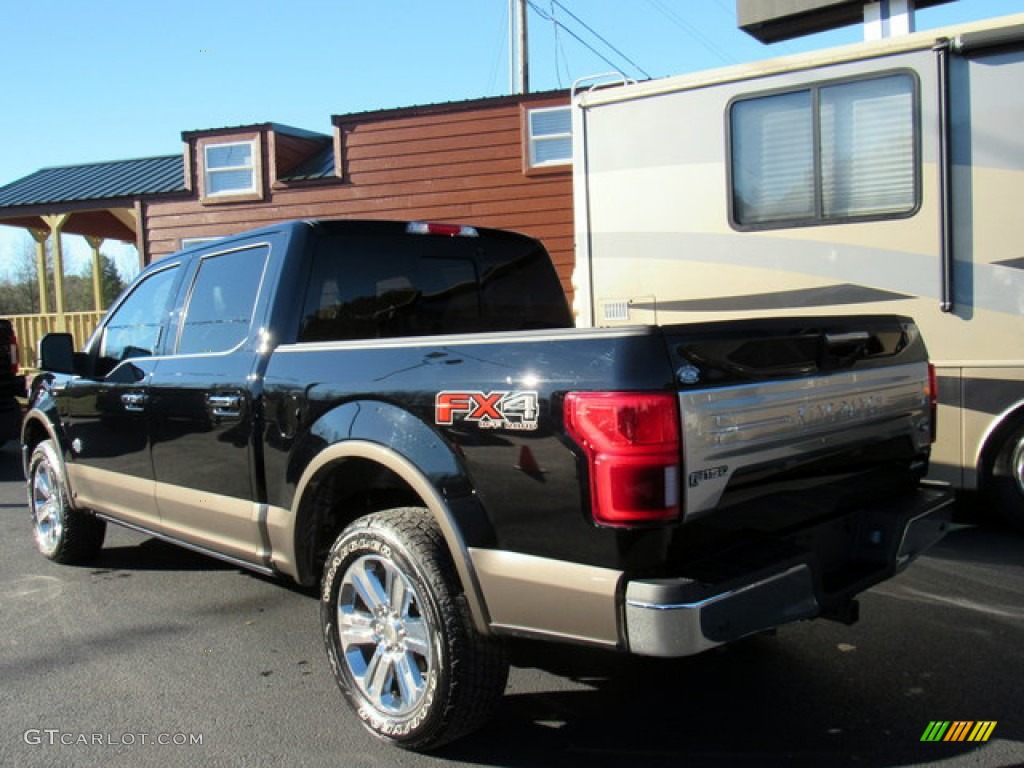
(958, 730)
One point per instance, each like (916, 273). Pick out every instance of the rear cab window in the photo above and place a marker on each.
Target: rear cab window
(371, 285)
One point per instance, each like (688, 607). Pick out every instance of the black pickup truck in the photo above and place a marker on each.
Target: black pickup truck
(403, 415)
(12, 384)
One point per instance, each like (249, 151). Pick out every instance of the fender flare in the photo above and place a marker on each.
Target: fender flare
(395, 439)
(42, 417)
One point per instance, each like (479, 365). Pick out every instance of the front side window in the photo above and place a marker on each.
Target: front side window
(825, 154)
(135, 327)
(230, 168)
(550, 136)
(222, 301)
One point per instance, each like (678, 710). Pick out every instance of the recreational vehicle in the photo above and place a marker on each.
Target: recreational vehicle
(883, 176)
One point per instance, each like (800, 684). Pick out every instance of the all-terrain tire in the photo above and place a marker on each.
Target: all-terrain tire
(399, 635)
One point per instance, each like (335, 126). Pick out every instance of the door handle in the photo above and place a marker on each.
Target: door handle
(134, 401)
(225, 405)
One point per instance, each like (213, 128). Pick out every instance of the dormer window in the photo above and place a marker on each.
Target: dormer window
(230, 169)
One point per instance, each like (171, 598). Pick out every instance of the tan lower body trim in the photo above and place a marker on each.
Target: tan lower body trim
(540, 596)
(123, 496)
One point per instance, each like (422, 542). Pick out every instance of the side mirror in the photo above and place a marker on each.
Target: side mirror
(57, 353)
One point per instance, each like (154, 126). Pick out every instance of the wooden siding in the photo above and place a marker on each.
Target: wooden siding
(460, 164)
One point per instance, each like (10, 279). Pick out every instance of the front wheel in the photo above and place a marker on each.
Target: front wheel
(62, 533)
(1006, 483)
(399, 636)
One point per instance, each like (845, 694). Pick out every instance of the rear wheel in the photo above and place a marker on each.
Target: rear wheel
(399, 636)
(1006, 483)
(62, 534)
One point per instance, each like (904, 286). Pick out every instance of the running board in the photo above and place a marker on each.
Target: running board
(249, 566)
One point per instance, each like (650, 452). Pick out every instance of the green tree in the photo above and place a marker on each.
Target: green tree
(19, 291)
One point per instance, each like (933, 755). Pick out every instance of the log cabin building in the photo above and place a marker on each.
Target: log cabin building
(495, 162)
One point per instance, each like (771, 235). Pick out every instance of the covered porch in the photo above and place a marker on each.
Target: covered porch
(99, 202)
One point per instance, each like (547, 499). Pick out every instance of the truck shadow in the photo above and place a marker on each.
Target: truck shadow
(761, 702)
(155, 555)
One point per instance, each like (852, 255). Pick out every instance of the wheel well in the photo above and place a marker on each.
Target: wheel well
(994, 444)
(33, 435)
(340, 493)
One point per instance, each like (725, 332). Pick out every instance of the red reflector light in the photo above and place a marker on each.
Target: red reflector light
(433, 228)
(632, 443)
(14, 354)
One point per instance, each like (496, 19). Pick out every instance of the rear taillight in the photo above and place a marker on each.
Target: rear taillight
(933, 398)
(632, 444)
(13, 347)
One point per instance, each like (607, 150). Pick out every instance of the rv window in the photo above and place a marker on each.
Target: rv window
(825, 154)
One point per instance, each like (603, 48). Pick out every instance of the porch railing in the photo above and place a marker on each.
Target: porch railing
(31, 328)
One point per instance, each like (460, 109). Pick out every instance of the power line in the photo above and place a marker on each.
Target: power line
(603, 40)
(499, 52)
(549, 17)
(693, 31)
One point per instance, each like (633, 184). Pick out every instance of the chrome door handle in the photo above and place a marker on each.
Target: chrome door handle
(134, 401)
(225, 405)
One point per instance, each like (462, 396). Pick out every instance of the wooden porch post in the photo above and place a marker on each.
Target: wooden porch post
(56, 224)
(97, 289)
(40, 236)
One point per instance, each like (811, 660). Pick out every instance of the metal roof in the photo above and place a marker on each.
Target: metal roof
(288, 130)
(97, 181)
(319, 166)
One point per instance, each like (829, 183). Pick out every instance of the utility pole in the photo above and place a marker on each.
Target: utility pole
(519, 49)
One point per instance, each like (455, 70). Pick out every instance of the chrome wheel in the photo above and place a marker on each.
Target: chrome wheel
(61, 532)
(1017, 465)
(385, 635)
(399, 635)
(47, 508)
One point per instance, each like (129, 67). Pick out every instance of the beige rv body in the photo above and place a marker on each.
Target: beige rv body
(658, 240)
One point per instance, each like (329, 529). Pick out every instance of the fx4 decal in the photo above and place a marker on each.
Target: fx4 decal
(488, 410)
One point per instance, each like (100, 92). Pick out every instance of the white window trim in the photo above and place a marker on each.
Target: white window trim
(533, 141)
(252, 168)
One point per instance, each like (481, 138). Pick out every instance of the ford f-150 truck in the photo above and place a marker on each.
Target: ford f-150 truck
(402, 414)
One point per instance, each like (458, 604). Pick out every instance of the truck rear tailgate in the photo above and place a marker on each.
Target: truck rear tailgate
(762, 399)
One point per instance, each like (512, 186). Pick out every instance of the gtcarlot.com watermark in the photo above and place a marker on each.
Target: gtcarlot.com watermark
(54, 737)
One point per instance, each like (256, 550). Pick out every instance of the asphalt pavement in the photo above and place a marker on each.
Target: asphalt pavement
(155, 656)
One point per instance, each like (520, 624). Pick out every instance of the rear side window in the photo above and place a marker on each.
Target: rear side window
(825, 154)
(385, 286)
(222, 300)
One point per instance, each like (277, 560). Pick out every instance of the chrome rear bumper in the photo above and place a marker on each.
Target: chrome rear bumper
(681, 617)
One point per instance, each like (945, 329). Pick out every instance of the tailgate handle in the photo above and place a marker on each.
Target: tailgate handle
(225, 405)
(853, 337)
(843, 350)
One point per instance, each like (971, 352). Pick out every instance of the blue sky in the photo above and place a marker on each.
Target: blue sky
(112, 79)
